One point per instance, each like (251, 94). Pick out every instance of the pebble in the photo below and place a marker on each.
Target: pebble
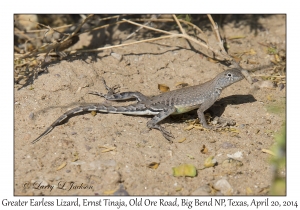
(121, 191)
(99, 164)
(116, 56)
(238, 154)
(224, 187)
(281, 86)
(203, 190)
(231, 163)
(264, 84)
(31, 115)
(227, 145)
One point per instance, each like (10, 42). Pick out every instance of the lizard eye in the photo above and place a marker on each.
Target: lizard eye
(229, 75)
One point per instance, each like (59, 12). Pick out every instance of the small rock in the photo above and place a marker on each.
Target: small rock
(242, 126)
(99, 164)
(227, 145)
(238, 154)
(88, 129)
(31, 115)
(264, 84)
(87, 147)
(231, 163)
(203, 190)
(121, 191)
(281, 86)
(224, 187)
(58, 178)
(23, 81)
(117, 56)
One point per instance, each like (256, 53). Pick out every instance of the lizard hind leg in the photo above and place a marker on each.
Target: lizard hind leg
(152, 124)
(112, 96)
(122, 96)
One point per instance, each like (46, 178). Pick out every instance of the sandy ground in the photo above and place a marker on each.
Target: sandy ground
(77, 144)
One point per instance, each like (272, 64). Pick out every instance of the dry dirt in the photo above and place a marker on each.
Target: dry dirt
(77, 143)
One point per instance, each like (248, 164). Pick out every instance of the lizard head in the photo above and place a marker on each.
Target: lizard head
(228, 77)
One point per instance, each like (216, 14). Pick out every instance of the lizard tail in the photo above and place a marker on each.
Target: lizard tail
(92, 107)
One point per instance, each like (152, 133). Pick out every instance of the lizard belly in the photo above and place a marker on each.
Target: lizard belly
(183, 109)
(143, 112)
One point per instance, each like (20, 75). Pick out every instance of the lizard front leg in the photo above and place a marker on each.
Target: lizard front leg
(152, 124)
(202, 119)
(203, 107)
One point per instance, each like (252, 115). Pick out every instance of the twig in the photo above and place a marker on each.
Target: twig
(148, 27)
(216, 52)
(178, 23)
(171, 20)
(215, 29)
(121, 45)
(218, 37)
(80, 25)
(145, 24)
(42, 30)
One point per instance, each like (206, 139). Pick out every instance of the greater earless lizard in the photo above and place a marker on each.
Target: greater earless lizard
(178, 101)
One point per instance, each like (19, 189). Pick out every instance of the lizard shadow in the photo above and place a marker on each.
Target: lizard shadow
(218, 108)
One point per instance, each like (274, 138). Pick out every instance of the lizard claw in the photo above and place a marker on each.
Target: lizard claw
(169, 136)
(97, 93)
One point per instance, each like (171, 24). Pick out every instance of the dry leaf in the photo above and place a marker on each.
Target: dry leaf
(204, 149)
(277, 59)
(251, 52)
(210, 162)
(200, 127)
(231, 163)
(270, 98)
(178, 188)
(181, 84)
(94, 113)
(107, 149)
(212, 60)
(190, 156)
(153, 165)
(236, 58)
(236, 37)
(185, 170)
(188, 127)
(75, 157)
(233, 130)
(249, 191)
(61, 166)
(163, 88)
(268, 151)
(251, 61)
(181, 140)
(109, 192)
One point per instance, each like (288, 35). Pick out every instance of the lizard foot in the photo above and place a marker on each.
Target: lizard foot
(169, 136)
